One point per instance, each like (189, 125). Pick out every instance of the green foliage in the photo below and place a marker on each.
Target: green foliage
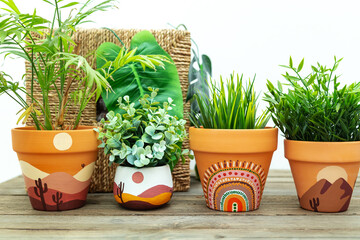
(232, 106)
(143, 137)
(144, 56)
(48, 47)
(198, 77)
(199, 72)
(315, 107)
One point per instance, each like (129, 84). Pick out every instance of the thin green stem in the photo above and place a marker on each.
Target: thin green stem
(62, 76)
(33, 99)
(27, 33)
(32, 77)
(15, 99)
(46, 106)
(24, 105)
(27, 54)
(137, 78)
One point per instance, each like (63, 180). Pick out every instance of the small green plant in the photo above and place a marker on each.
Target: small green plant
(314, 107)
(230, 106)
(143, 137)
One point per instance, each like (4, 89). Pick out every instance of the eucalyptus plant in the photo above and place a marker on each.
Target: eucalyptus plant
(231, 105)
(143, 137)
(52, 54)
(314, 107)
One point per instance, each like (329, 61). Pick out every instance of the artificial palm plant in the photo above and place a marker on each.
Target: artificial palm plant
(55, 64)
(48, 46)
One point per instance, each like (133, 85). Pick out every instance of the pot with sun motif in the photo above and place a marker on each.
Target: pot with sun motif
(233, 165)
(57, 165)
(324, 173)
(143, 188)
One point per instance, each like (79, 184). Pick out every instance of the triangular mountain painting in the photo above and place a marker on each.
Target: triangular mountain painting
(325, 196)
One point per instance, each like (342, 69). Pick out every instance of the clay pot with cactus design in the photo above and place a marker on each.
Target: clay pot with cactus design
(56, 165)
(56, 156)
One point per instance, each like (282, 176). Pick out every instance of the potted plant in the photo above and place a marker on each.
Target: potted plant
(232, 147)
(145, 142)
(320, 120)
(57, 159)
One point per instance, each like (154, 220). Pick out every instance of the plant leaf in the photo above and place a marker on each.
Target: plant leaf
(133, 80)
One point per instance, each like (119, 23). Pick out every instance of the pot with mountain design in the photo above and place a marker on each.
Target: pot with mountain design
(143, 188)
(324, 173)
(233, 165)
(56, 165)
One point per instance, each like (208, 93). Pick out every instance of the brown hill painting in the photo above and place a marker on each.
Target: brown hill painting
(43, 197)
(326, 197)
(56, 191)
(151, 198)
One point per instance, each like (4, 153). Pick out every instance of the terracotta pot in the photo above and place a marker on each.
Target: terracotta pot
(233, 165)
(56, 165)
(143, 188)
(324, 173)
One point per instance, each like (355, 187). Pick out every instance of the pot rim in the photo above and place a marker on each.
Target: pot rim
(32, 129)
(325, 152)
(29, 140)
(241, 141)
(320, 142)
(166, 165)
(266, 129)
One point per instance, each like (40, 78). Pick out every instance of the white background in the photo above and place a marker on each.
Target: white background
(243, 36)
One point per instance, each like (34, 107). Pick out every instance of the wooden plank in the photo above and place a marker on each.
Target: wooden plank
(13, 186)
(186, 226)
(117, 233)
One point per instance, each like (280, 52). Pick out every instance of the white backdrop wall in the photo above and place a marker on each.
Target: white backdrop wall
(245, 36)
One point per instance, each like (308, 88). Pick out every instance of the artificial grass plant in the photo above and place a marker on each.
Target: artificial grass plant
(231, 105)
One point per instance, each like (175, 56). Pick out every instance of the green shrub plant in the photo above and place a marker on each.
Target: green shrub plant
(314, 106)
(143, 137)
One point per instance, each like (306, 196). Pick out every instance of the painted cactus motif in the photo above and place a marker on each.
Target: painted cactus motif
(56, 199)
(40, 190)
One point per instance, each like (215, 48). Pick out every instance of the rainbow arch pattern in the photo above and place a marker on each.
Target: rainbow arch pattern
(234, 186)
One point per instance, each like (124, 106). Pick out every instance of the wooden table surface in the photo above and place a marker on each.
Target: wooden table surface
(186, 217)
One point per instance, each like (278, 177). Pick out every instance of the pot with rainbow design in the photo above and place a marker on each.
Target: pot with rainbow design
(233, 148)
(56, 165)
(233, 165)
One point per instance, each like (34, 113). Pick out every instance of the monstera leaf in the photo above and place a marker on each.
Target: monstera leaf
(133, 80)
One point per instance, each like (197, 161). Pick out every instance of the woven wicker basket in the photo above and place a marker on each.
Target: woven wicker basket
(177, 43)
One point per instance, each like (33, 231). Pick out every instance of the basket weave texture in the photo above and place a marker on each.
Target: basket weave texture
(176, 42)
